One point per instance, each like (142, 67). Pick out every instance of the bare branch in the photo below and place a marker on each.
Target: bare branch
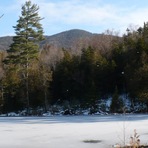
(1, 15)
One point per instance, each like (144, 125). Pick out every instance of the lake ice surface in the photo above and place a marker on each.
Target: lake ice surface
(71, 131)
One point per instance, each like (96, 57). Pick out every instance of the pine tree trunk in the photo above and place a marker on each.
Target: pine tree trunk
(45, 95)
(27, 88)
(27, 97)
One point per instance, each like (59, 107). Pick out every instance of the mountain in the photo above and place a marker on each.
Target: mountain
(73, 40)
(65, 39)
(5, 42)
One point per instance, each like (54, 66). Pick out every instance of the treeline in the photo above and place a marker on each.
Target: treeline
(93, 75)
(29, 79)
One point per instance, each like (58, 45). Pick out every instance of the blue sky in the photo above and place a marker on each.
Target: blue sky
(94, 16)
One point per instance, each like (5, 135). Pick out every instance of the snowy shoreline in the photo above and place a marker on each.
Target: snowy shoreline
(71, 131)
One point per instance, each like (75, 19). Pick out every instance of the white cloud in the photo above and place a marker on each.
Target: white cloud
(76, 13)
(94, 15)
(91, 13)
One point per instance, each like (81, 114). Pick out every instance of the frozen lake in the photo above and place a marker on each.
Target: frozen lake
(71, 131)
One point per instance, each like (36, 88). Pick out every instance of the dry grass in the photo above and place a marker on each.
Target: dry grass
(134, 142)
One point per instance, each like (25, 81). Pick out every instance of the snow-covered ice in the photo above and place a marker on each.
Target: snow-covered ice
(71, 131)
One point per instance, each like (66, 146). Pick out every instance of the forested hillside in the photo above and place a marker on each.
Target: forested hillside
(74, 69)
(72, 40)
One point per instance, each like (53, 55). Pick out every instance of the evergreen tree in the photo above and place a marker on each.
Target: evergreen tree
(45, 77)
(88, 65)
(10, 91)
(25, 47)
(62, 77)
(116, 104)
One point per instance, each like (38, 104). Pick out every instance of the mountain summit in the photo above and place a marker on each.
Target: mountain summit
(65, 39)
(73, 40)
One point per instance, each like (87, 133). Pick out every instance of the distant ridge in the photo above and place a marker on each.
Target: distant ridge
(61, 40)
(67, 39)
(5, 42)
(73, 40)
(76, 32)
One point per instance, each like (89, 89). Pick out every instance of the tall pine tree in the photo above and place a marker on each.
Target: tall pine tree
(25, 46)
